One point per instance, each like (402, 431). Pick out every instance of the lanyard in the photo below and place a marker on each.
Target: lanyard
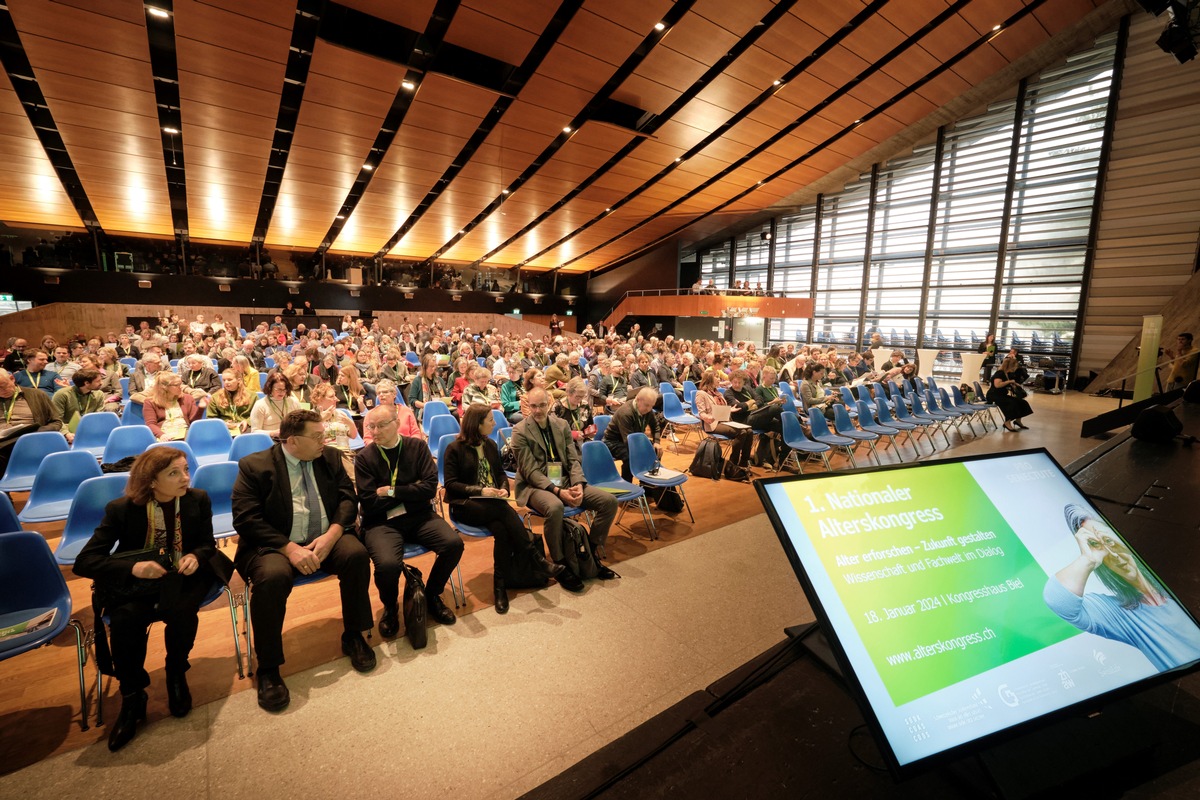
(279, 411)
(548, 440)
(32, 383)
(12, 403)
(83, 401)
(388, 461)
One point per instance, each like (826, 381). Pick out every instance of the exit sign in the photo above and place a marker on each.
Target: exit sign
(6, 298)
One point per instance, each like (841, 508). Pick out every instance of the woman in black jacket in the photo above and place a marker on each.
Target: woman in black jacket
(161, 569)
(477, 492)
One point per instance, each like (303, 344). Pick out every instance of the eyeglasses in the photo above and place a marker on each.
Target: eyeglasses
(374, 426)
(318, 437)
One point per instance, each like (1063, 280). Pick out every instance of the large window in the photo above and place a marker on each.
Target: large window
(984, 230)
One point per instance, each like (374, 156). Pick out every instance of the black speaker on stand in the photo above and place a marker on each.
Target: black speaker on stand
(1156, 424)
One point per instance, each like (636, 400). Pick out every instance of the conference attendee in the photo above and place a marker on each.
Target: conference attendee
(271, 410)
(294, 512)
(550, 477)
(613, 387)
(481, 390)
(300, 383)
(15, 360)
(473, 471)
(988, 348)
(169, 410)
(575, 410)
(142, 381)
(232, 404)
(35, 375)
(348, 390)
(288, 310)
(640, 378)
(152, 559)
(1006, 393)
(533, 378)
(1136, 610)
(707, 398)
(340, 430)
(397, 482)
(199, 378)
(406, 421)
(82, 397)
(767, 417)
(246, 371)
(557, 374)
(23, 408)
(635, 417)
(126, 349)
(63, 366)
(1183, 369)
(426, 386)
(812, 391)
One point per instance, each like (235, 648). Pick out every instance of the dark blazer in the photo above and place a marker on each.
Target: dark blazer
(262, 500)
(416, 482)
(532, 456)
(460, 473)
(124, 527)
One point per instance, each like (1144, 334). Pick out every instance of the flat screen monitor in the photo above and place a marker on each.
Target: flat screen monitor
(968, 597)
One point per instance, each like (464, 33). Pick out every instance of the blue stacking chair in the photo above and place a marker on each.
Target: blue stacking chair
(481, 361)
(26, 457)
(412, 358)
(31, 584)
(985, 402)
(923, 423)
(217, 479)
(866, 421)
(689, 391)
(174, 362)
(124, 391)
(131, 363)
(459, 592)
(785, 389)
(600, 471)
(885, 419)
(601, 421)
(843, 426)
(54, 487)
(981, 410)
(794, 438)
(128, 440)
(430, 411)
(676, 417)
(184, 449)
(8, 516)
(919, 412)
(92, 432)
(821, 433)
(210, 440)
(262, 380)
(246, 443)
(939, 400)
(270, 362)
(133, 415)
(642, 459)
(441, 425)
(849, 400)
(87, 512)
(500, 420)
(442, 444)
(248, 628)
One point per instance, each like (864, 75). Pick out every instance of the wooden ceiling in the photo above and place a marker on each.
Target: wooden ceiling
(548, 134)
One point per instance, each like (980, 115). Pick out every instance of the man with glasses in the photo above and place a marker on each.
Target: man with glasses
(294, 512)
(550, 477)
(397, 481)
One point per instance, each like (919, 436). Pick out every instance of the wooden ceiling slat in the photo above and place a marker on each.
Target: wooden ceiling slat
(670, 68)
(909, 16)
(1018, 39)
(411, 14)
(874, 39)
(643, 93)
(478, 31)
(735, 18)
(638, 16)
(983, 15)
(263, 72)
(603, 38)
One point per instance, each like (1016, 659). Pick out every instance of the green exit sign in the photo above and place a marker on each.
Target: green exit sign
(703, 313)
(6, 298)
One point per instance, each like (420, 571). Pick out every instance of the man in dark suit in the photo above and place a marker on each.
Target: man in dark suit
(550, 476)
(397, 481)
(294, 511)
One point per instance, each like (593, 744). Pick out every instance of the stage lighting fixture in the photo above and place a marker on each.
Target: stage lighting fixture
(1176, 40)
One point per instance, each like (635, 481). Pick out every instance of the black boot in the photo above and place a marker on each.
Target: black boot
(133, 711)
(179, 697)
(501, 594)
(542, 567)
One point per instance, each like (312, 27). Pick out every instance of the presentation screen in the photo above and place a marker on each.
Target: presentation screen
(968, 596)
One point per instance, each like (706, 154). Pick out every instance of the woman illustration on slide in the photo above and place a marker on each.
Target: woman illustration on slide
(1139, 612)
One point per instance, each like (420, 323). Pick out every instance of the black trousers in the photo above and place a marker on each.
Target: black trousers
(385, 543)
(620, 452)
(501, 519)
(273, 576)
(129, 620)
(551, 509)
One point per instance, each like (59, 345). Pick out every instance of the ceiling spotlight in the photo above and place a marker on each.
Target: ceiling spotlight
(158, 12)
(171, 131)
(340, 216)
(777, 82)
(608, 211)
(765, 236)
(504, 191)
(678, 160)
(567, 129)
(1176, 40)
(408, 85)
(368, 167)
(660, 26)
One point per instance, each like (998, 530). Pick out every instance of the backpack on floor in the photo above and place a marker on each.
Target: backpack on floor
(577, 550)
(522, 572)
(708, 461)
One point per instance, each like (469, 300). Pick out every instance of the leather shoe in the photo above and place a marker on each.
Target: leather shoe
(133, 711)
(362, 657)
(501, 595)
(273, 693)
(604, 573)
(179, 697)
(389, 624)
(1021, 425)
(438, 611)
(569, 580)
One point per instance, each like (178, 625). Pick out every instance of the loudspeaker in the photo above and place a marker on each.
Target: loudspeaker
(1192, 393)
(1157, 424)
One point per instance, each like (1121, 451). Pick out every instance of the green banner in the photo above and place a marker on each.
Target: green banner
(938, 585)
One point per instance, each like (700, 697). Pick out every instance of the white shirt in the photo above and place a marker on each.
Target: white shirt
(299, 531)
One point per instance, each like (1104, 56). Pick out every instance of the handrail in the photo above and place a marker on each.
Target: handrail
(719, 292)
(1157, 367)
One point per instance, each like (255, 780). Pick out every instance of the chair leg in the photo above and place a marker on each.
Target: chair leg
(80, 661)
(237, 642)
(247, 632)
(874, 453)
(644, 504)
(825, 458)
(686, 505)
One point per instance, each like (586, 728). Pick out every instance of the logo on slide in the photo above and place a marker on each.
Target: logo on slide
(1008, 696)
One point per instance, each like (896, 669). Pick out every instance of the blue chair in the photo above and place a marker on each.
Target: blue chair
(270, 362)
(843, 426)
(440, 454)
(133, 415)
(54, 487)
(502, 436)
(821, 433)
(785, 389)
(217, 479)
(939, 400)
(676, 417)
(26, 457)
(8, 516)
(412, 358)
(919, 412)
(642, 459)
(601, 421)
(129, 440)
(262, 381)
(500, 420)
(689, 391)
(441, 425)
(131, 363)
(356, 442)
(92, 432)
(849, 400)
(884, 414)
(87, 512)
(430, 411)
(412, 550)
(124, 391)
(246, 443)
(481, 361)
(600, 471)
(982, 410)
(184, 449)
(174, 364)
(32, 585)
(866, 421)
(903, 415)
(794, 438)
(210, 440)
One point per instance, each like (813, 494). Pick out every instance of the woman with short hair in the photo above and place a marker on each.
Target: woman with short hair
(271, 410)
(168, 410)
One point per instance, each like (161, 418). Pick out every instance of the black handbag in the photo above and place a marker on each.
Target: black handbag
(416, 608)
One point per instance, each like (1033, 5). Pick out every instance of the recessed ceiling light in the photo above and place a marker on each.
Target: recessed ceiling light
(997, 27)
(660, 26)
(158, 12)
(678, 160)
(504, 191)
(408, 85)
(777, 82)
(340, 216)
(368, 167)
(171, 130)
(567, 129)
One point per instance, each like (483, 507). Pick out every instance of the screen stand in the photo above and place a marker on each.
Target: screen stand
(813, 640)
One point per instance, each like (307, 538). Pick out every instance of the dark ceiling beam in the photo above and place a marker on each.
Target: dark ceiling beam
(164, 66)
(24, 82)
